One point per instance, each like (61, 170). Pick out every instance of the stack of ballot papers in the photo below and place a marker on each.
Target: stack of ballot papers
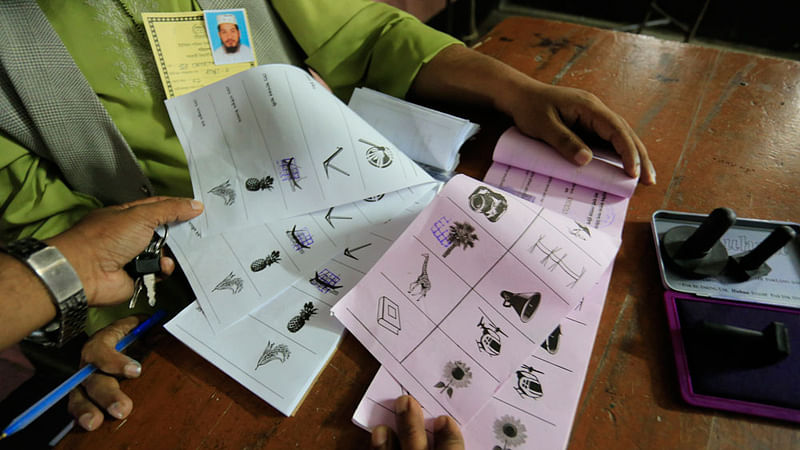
(481, 299)
(302, 196)
(429, 137)
(487, 307)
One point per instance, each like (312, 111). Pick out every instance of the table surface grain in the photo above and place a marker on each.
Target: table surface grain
(723, 129)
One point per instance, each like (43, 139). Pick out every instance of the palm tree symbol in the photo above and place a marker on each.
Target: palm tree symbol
(461, 234)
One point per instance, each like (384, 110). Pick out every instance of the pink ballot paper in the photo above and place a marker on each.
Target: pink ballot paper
(535, 407)
(603, 173)
(532, 409)
(478, 279)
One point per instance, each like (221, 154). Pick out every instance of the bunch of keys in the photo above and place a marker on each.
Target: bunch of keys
(144, 267)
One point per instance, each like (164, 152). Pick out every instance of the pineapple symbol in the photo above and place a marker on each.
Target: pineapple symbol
(259, 184)
(262, 263)
(298, 321)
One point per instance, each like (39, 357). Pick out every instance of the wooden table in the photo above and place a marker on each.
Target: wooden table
(723, 129)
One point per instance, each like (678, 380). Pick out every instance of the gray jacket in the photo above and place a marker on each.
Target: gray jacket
(47, 106)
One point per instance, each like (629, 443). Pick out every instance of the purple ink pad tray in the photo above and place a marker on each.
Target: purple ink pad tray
(769, 389)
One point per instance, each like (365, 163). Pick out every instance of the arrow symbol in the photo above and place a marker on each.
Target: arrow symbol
(349, 252)
(328, 217)
(327, 163)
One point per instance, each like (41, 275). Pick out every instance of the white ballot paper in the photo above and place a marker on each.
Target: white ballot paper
(427, 136)
(272, 143)
(277, 350)
(238, 271)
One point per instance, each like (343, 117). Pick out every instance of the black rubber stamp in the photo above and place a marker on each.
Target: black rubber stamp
(697, 251)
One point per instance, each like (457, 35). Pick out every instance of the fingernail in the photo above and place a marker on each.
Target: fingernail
(133, 369)
(116, 410)
(583, 156)
(401, 405)
(637, 170)
(652, 175)
(439, 423)
(197, 204)
(379, 437)
(86, 421)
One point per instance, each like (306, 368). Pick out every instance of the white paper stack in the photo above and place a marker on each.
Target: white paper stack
(429, 137)
(290, 178)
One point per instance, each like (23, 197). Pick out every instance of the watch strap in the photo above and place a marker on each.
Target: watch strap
(64, 285)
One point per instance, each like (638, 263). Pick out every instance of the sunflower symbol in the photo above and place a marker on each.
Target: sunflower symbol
(509, 431)
(456, 375)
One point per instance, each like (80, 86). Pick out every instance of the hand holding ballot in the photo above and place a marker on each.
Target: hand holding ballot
(538, 109)
(410, 426)
(96, 248)
(102, 243)
(549, 112)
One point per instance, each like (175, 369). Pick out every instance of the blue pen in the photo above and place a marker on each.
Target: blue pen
(63, 389)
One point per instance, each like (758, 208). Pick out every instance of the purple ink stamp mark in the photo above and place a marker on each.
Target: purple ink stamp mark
(440, 229)
(300, 238)
(290, 172)
(325, 281)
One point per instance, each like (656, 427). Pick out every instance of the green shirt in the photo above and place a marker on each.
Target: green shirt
(348, 42)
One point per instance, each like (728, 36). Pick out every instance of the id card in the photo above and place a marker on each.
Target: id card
(183, 54)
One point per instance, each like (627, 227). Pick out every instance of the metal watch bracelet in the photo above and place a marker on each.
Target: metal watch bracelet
(64, 285)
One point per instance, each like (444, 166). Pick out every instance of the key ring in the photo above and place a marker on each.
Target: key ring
(156, 245)
(146, 264)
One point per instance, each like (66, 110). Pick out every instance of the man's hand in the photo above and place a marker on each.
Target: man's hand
(551, 113)
(100, 245)
(97, 248)
(101, 392)
(410, 424)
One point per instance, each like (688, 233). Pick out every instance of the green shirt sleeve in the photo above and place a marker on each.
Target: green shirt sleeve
(34, 200)
(354, 43)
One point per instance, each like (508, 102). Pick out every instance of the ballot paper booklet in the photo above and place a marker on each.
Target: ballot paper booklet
(479, 298)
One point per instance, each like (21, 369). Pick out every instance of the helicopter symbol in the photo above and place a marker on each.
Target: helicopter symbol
(489, 341)
(528, 384)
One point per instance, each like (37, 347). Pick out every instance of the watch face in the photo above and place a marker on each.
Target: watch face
(56, 272)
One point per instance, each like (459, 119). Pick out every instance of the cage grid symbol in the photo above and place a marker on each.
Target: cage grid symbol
(301, 238)
(325, 280)
(289, 170)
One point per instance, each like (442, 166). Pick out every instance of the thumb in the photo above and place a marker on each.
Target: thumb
(410, 423)
(446, 435)
(100, 349)
(170, 210)
(560, 137)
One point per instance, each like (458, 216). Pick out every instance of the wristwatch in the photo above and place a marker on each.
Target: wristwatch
(66, 290)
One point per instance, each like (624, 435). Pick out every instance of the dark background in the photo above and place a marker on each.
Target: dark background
(766, 26)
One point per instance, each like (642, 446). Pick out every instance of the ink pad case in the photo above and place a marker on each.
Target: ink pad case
(751, 369)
